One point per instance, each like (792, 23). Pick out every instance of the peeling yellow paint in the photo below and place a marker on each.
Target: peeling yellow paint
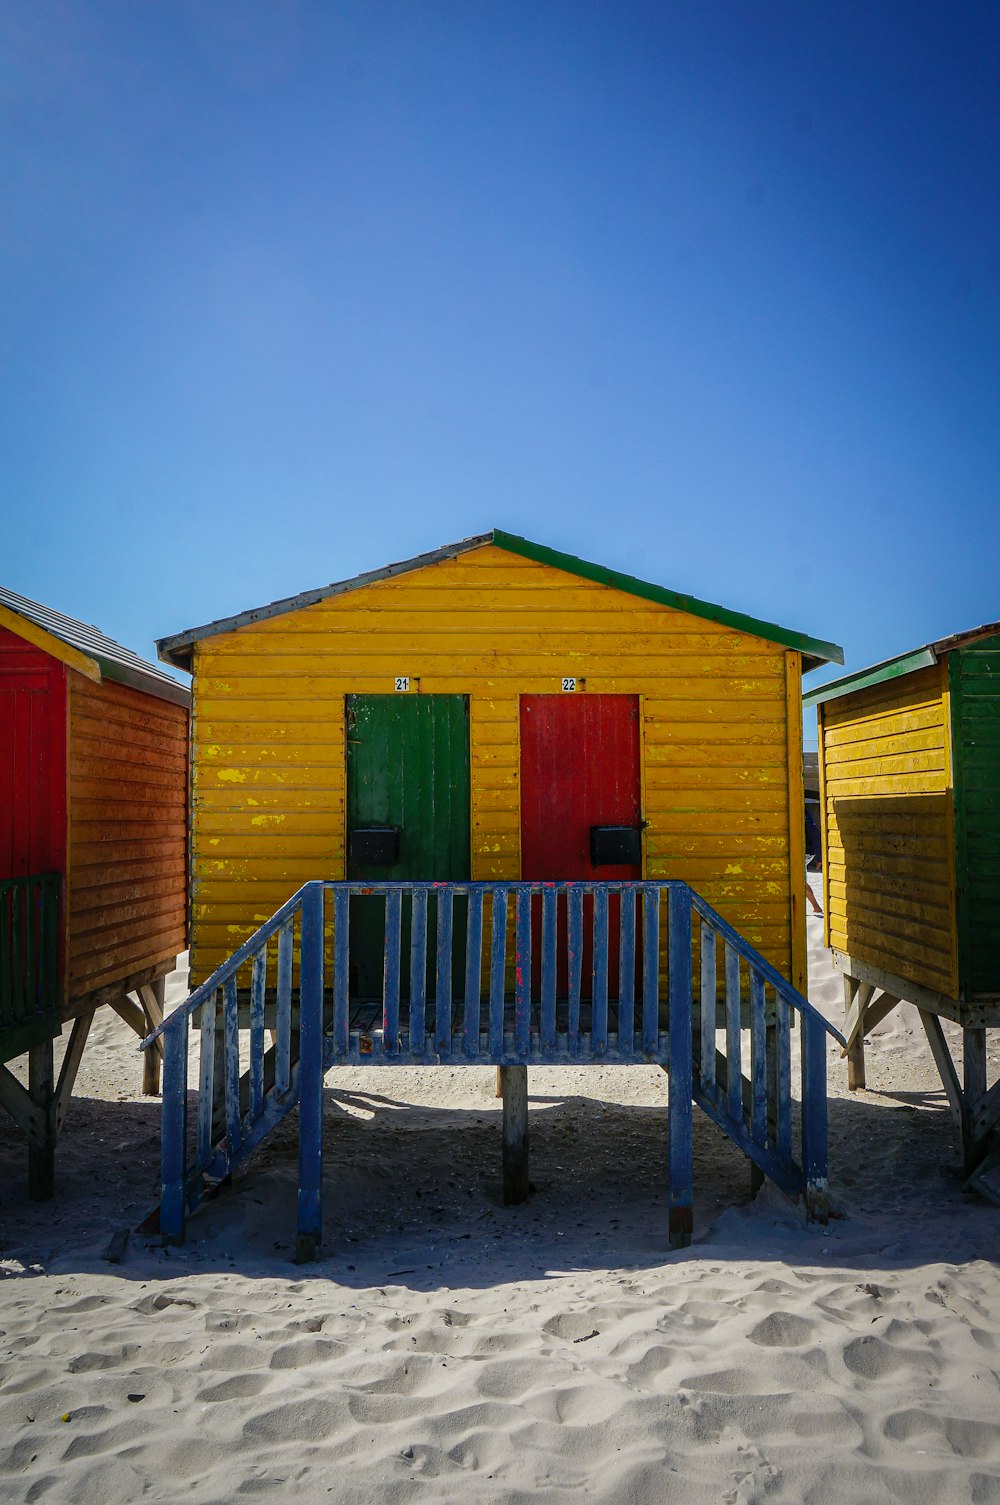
(270, 806)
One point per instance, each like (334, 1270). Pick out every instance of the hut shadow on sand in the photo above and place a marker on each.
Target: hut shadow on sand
(413, 1192)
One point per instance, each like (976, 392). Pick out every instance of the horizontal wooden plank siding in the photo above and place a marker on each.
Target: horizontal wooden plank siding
(975, 684)
(268, 782)
(127, 832)
(889, 832)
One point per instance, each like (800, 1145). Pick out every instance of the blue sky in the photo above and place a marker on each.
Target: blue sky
(708, 292)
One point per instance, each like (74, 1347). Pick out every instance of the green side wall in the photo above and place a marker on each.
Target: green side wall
(974, 674)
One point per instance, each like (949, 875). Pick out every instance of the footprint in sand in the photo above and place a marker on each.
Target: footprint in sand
(308, 1420)
(870, 1358)
(651, 1365)
(901, 1426)
(305, 1351)
(965, 1436)
(174, 1306)
(403, 1379)
(86, 1363)
(972, 1439)
(724, 1382)
(237, 1387)
(235, 1356)
(508, 1379)
(783, 1330)
(573, 1326)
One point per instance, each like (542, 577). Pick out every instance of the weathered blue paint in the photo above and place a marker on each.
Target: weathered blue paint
(734, 1044)
(390, 987)
(814, 1128)
(758, 1058)
(418, 972)
(522, 980)
(444, 895)
(231, 1035)
(783, 1082)
(283, 1020)
(473, 974)
(708, 1008)
(173, 1160)
(785, 1174)
(549, 948)
(651, 972)
(755, 1113)
(206, 1078)
(498, 967)
(341, 971)
(258, 985)
(599, 1022)
(626, 975)
(574, 962)
(311, 1062)
(680, 1190)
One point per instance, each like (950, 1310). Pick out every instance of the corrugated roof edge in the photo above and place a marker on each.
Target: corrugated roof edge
(114, 660)
(895, 668)
(176, 649)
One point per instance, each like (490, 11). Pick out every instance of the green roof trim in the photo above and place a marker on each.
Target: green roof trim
(813, 649)
(893, 668)
(177, 649)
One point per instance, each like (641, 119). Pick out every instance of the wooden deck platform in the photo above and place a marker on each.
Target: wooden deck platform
(683, 999)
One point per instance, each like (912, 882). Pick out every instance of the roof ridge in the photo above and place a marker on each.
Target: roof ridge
(176, 649)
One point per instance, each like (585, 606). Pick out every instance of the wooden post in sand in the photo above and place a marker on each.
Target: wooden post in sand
(42, 1142)
(855, 1044)
(974, 1090)
(514, 1089)
(152, 996)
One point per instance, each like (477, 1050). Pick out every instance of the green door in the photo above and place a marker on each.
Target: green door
(407, 770)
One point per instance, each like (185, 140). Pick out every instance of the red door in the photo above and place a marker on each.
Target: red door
(579, 769)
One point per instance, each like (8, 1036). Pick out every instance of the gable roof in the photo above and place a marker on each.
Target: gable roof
(177, 649)
(903, 663)
(85, 648)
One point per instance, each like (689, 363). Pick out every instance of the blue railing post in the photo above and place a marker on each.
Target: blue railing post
(814, 1127)
(680, 1191)
(310, 1209)
(238, 1109)
(173, 1173)
(341, 971)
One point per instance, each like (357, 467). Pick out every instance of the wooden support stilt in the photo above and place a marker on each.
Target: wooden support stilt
(151, 996)
(69, 1068)
(18, 1102)
(986, 1113)
(42, 1144)
(974, 1146)
(856, 995)
(945, 1065)
(514, 1090)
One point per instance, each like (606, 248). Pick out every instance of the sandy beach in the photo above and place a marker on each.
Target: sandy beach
(447, 1348)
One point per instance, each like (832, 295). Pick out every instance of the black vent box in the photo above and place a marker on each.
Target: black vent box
(374, 846)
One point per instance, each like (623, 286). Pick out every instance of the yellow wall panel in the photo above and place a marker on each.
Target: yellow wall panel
(888, 830)
(268, 790)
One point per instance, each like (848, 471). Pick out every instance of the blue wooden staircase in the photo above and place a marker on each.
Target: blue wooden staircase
(690, 995)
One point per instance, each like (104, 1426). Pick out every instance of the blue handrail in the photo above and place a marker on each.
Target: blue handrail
(492, 1005)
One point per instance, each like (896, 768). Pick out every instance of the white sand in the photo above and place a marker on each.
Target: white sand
(448, 1349)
